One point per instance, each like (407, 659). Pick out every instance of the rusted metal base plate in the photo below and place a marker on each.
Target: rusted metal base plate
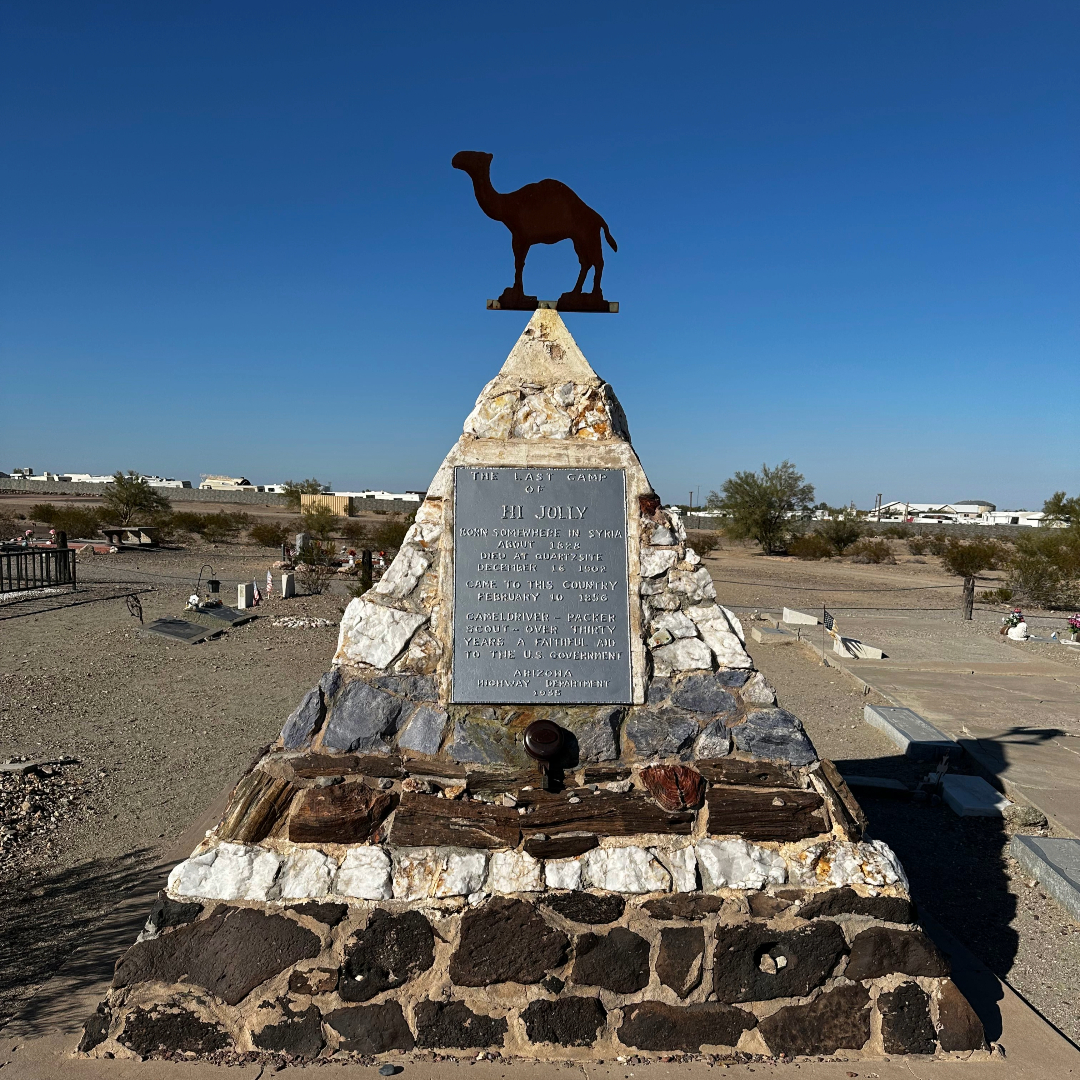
(581, 303)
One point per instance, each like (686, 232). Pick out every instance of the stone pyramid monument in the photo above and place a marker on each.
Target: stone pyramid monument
(541, 803)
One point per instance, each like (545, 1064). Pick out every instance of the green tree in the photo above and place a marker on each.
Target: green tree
(295, 488)
(761, 506)
(968, 559)
(130, 497)
(320, 521)
(1045, 569)
(1061, 508)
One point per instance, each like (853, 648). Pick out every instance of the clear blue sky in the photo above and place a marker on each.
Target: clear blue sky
(232, 240)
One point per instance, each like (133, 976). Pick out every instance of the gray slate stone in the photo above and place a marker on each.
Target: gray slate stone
(705, 694)
(485, 742)
(660, 732)
(330, 683)
(774, 734)
(414, 687)
(597, 737)
(658, 692)
(304, 721)
(363, 717)
(423, 731)
(733, 678)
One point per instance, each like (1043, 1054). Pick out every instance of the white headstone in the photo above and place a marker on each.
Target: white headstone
(288, 586)
(245, 594)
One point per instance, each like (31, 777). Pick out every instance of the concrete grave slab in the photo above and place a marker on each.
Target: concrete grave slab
(772, 637)
(799, 618)
(1055, 864)
(916, 737)
(972, 796)
(181, 630)
(854, 649)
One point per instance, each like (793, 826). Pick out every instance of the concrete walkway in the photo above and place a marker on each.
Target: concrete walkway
(1016, 713)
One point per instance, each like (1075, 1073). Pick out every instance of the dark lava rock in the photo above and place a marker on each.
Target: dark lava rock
(299, 1034)
(229, 953)
(839, 1019)
(371, 1029)
(506, 941)
(304, 721)
(682, 951)
(362, 718)
(705, 694)
(660, 732)
(166, 912)
(754, 963)
(846, 901)
(95, 1030)
(553, 984)
(652, 1025)
(569, 1021)
(617, 961)
(906, 1027)
(388, 952)
(683, 906)
(774, 734)
(330, 683)
(584, 907)
(959, 1028)
(453, 1023)
(881, 950)
(160, 1031)
(732, 677)
(327, 914)
(764, 906)
(314, 981)
(659, 691)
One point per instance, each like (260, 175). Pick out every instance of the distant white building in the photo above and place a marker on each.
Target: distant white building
(226, 483)
(388, 496)
(168, 482)
(973, 512)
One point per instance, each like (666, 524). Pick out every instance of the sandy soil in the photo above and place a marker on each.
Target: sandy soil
(158, 729)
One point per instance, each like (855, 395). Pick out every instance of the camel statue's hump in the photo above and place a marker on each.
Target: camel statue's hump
(547, 189)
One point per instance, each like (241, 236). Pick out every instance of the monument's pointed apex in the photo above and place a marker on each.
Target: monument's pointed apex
(546, 354)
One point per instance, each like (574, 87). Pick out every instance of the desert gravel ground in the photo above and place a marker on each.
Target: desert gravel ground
(159, 729)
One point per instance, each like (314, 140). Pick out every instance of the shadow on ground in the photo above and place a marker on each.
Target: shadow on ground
(46, 918)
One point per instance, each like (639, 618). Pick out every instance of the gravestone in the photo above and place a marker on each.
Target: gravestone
(245, 595)
(541, 743)
(288, 586)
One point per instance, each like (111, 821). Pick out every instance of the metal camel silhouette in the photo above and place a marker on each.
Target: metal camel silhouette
(542, 213)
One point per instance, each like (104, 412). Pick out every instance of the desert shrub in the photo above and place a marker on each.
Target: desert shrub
(222, 527)
(271, 534)
(357, 533)
(295, 488)
(841, 532)
(79, 522)
(317, 569)
(937, 545)
(896, 532)
(1002, 595)
(9, 525)
(320, 521)
(811, 546)
(1045, 569)
(917, 545)
(390, 534)
(703, 540)
(873, 551)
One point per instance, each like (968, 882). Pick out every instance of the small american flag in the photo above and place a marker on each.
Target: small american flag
(829, 621)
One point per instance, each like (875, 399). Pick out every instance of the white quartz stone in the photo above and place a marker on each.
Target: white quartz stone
(738, 865)
(655, 561)
(725, 645)
(687, 654)
(625, 869)
(462, 872)
(757, 691)
(733, 620)
(662, 536)
(682, 865)
(692, 558)
(405, 571)
(365, 874)
(695, 585)
(563, 873)
(675, 517)
(676, 623)
(226, 872)
(840, 862)
(416, 871)
(305, 874)
(373, 634)
(514, 871)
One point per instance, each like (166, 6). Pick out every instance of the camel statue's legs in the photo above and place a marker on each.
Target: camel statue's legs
(514, 295)
(590, 255)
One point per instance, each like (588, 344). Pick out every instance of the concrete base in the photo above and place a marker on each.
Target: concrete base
(772, 637)
(917, 738)
(799, 618)
(1055, 864)
(972, 796)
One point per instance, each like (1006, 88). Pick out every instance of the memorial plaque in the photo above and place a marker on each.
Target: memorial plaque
(541, 604)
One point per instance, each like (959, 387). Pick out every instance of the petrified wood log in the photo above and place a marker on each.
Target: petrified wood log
(747, 773)
(674, 787)
(342, 814)
(427, 820)
(256, 805)
(560, 845)
(605, 814)
(843, 805)
(311, 766)
(763, 814)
